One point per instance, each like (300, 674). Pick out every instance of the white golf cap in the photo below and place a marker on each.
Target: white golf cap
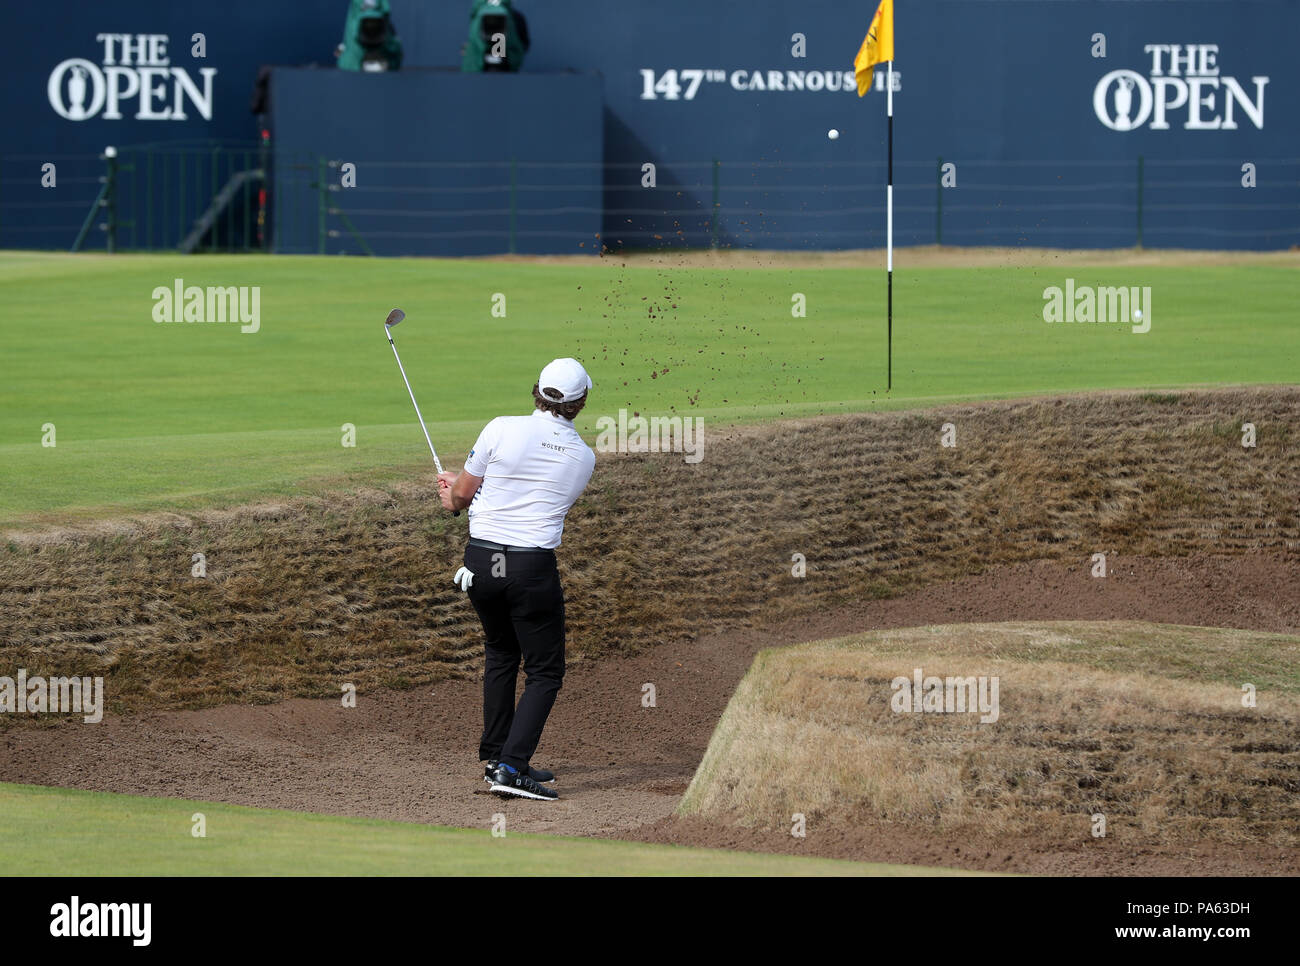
(567, 377)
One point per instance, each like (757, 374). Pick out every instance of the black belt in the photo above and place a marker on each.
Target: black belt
(505, 547)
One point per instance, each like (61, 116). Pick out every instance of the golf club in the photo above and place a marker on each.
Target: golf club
(395, 317)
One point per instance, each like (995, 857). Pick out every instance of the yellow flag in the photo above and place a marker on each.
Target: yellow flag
(877, 47)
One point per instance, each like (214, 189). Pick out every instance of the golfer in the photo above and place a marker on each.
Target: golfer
(519, 481)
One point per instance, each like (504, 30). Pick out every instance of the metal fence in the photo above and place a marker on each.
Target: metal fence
(187, 196)
(244, 196)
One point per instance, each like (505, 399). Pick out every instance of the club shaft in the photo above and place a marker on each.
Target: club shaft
(436, 462)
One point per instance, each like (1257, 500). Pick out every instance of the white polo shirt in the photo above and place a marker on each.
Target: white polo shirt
(534, 468)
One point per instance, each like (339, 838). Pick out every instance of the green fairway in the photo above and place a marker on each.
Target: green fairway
(178, 415)
(57, 831)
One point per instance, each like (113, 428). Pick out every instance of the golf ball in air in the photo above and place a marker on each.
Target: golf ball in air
(1137, 314)
(832, 134)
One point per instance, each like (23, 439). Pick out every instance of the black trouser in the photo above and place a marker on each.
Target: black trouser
(520, 602)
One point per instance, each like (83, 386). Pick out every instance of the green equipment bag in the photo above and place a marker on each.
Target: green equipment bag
(369, 40)
(489, 19)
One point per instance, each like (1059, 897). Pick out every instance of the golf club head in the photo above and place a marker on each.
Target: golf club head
(394, 317)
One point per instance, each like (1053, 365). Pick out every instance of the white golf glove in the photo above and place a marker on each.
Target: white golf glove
(464, 577)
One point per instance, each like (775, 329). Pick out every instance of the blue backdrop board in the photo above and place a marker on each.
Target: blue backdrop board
(1069, 122)
(441, 163)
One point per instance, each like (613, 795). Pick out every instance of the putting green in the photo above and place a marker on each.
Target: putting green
(151, 415)
(58, 831)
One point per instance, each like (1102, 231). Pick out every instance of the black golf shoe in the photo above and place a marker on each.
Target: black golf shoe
(506, 781)
(537, 774)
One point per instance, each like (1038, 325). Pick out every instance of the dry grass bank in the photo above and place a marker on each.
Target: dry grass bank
(302, 596)
(1143, 724)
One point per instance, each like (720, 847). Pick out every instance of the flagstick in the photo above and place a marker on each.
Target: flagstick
(889, 231)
